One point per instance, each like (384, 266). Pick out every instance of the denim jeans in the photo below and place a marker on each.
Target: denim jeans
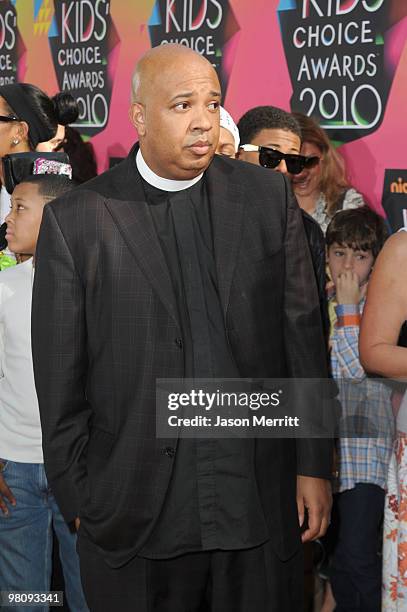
(26, 539)
(356, 567)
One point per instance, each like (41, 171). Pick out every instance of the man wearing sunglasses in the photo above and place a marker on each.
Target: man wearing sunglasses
(271, 138)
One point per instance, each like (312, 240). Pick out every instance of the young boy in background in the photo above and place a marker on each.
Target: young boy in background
(28, 510)
(354, 239)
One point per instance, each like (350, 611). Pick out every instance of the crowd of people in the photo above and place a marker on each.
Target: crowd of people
(215, 250)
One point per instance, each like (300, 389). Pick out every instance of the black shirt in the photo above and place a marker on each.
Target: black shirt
(212, 501)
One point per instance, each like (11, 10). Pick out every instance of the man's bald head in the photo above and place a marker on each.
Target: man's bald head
(175, 109)
(164, 58)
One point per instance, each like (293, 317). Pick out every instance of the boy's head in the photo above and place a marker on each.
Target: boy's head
(269, 126)
(27, 204)
(354, 238)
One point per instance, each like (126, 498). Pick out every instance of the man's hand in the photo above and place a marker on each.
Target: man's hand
(348, 290)
(314, 494)
(77, 523)
(5, 495)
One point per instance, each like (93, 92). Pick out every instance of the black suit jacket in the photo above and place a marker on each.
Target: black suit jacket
(317, 246)
(104, 327)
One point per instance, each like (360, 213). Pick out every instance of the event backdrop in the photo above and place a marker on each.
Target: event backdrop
(342, 61)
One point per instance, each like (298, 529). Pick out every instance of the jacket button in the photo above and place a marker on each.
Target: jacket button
(178, 342)
(169, 451)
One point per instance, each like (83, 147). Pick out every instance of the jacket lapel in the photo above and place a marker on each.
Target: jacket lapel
(226, 202)
(132, 217)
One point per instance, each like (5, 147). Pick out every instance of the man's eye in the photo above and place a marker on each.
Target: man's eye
(214, 105)
(181, 106)
(20, 207)
(360, 256)
(338, 253)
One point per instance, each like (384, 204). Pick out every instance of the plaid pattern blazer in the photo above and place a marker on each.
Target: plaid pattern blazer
(105, 326)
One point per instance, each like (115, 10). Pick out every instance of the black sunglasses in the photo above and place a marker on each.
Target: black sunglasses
(8, 119)
(271, 158)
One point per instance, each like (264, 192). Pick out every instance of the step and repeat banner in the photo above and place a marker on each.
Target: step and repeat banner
(341, 61)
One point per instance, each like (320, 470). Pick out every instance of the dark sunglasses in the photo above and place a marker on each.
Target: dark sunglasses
(8, 119)
(271, 158)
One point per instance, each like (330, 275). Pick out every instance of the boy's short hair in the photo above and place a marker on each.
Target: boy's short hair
(50, 185)
(357, 228)
(266, 118)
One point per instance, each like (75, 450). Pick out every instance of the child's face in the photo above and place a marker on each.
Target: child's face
(343, 258)
(24, 218)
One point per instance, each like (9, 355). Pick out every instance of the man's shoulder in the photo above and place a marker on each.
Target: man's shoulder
(107, 185)
(110, 183)
(259, 186)
(250, 173)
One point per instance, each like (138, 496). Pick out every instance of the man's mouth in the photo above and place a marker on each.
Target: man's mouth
(201, 147)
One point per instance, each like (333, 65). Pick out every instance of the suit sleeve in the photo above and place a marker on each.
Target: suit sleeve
(304, 338)
(60, 365)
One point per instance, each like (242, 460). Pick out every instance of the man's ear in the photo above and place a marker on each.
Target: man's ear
(137, 117)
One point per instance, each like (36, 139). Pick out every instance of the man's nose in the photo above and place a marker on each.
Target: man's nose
(201, 120)
(348, 262)
(9, 217)
(282, 167)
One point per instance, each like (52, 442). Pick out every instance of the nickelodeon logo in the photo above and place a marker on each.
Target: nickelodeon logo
(398, 186)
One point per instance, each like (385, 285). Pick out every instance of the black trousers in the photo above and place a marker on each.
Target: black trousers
(252, 580)
(356, 567)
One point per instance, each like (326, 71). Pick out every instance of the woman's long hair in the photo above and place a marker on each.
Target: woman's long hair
(334, 181)
(61, 109)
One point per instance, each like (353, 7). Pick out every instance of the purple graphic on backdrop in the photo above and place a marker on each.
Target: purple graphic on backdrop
(12, 49)
(206, 26)
(342, 56)
(84, 46)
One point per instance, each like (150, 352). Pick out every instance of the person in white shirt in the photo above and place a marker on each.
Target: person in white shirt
(28, 510)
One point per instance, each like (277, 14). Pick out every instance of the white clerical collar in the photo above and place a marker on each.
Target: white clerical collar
(162, 183)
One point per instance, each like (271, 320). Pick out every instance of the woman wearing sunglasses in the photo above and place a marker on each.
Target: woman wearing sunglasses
(321, 187)
(29, 117)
